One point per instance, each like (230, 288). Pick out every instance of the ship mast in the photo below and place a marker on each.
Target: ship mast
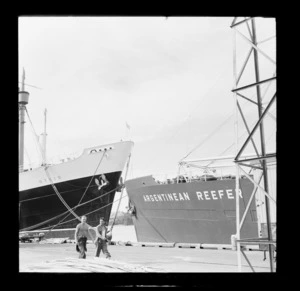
(23, 101)
(44, 137)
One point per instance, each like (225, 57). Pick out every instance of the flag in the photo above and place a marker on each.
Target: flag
(127, 125)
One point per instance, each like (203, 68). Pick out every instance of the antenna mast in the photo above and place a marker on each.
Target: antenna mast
(23, 101)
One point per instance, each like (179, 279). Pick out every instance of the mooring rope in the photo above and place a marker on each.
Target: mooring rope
(53, 194)
(89, 201)
(89, 212)
(104, 153)
(69, 209)
(35, 135)
(84, 191)
(121, 195)
(58, 194)
(208, 137)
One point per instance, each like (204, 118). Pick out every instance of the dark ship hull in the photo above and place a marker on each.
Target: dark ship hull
(195, 212)
(42, 204)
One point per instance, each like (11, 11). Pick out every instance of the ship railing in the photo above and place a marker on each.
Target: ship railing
(59, 159)
(29, 167)
(188, 178)
(50, 161)
(214, 168)
(165, 178)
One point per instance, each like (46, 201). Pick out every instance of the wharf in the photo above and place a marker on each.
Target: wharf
(63, 258)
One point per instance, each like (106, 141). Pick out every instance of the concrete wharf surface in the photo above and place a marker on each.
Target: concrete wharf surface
(63, 258)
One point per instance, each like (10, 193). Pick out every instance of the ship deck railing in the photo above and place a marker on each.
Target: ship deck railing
(196, 179)
(50, 161)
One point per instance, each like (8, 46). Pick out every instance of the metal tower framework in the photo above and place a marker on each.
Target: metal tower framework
(262, 159)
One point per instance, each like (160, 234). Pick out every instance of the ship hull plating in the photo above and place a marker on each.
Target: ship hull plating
(196, 212)
(41, 204)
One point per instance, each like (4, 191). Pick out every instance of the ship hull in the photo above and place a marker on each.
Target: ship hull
(196, 212)
(41, 204)
(47, 193)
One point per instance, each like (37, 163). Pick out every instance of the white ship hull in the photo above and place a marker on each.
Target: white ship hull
(114, 160)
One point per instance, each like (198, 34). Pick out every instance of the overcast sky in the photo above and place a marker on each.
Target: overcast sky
(169, 79)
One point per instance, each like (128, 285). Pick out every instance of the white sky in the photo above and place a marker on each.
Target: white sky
(169, 79)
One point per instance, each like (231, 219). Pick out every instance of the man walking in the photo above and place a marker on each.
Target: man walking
(81, 233)
(101, 239)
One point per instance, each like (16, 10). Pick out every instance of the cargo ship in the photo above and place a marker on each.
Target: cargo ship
(197, 209)
(57, 194)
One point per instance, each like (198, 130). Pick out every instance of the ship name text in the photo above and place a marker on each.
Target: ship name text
(200, 195)
(167, 197)
(218, 194)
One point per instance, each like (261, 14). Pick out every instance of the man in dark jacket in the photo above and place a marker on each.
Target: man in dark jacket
(101, 239)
